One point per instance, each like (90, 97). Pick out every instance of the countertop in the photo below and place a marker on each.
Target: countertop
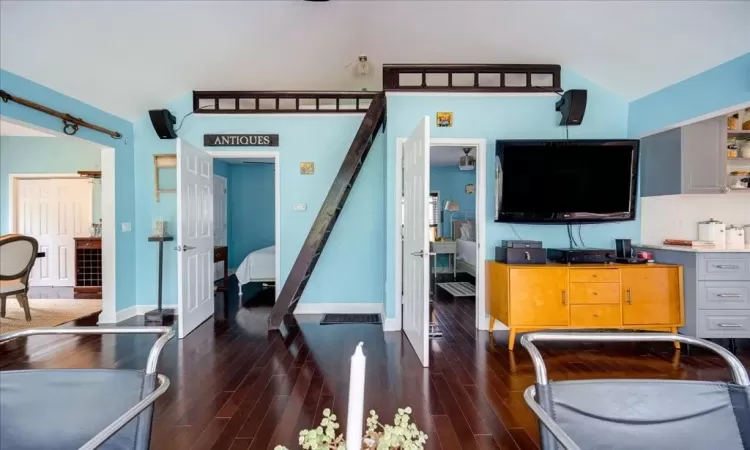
(679, 248)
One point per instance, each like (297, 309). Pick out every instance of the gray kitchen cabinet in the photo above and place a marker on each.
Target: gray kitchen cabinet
(716, 291)
(687, 160)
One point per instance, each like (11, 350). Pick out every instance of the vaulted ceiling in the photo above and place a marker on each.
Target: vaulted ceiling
(128, 56)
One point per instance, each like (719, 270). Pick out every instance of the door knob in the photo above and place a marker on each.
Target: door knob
(184, 248)
(422, 254)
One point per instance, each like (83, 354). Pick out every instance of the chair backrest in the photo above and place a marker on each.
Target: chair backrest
(17, 256)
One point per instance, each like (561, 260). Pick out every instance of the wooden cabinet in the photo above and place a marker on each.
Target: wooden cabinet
(617, 296)
(687, 160)
(651, 296)
(539, 297)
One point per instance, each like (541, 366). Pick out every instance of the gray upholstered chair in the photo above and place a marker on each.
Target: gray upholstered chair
(17, 257)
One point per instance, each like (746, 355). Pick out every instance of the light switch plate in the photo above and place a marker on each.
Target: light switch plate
(126, 227)
(300, 207)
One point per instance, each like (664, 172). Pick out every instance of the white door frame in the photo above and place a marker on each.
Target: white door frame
(262, 154)
(109, 226)
(481, 321)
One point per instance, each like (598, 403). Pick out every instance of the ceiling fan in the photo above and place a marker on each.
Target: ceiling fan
(467, 162)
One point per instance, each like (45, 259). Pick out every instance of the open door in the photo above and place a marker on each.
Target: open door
(195, 237)
(416, 261)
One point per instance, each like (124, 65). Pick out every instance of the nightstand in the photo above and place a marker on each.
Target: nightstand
(444, 248)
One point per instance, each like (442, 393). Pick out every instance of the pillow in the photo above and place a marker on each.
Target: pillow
(467, 231)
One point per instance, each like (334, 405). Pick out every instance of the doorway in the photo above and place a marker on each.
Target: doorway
(463, 265)
(197, 231)
(61, 190)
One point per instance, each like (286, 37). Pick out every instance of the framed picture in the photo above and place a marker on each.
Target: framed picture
(444, 119)
(469, 189)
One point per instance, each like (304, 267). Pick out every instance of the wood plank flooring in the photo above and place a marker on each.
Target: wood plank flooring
(241, 389)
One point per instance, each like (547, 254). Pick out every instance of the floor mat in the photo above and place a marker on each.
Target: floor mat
(461, 289)
(332, 319)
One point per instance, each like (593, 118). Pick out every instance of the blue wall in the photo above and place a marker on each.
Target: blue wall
(25, 154)
(352, 267)
(451, 182)
(505, 117)
(250, 210)
(722, 87)
(124, 194)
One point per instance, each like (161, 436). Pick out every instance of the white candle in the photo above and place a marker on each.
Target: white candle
(356, 400)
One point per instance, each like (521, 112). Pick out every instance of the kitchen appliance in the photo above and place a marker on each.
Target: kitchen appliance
(574, 181)
(712, 230)
(521, 255)
(580, 255)
(735, 237)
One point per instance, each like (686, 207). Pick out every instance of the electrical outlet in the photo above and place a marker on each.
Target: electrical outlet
(126, 227)
(300, 207)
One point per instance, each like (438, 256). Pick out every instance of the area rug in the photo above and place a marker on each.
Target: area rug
(461, 289)
(46, 312)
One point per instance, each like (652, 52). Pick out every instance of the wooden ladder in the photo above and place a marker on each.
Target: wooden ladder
(321, 229)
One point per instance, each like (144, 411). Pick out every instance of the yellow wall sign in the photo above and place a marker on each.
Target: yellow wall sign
(445, 119)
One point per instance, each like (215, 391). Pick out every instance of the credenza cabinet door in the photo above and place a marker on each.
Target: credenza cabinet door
(650, 296)
(539, 296)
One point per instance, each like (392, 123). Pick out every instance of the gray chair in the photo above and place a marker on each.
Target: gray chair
(17, 257)
(639, 414)
(85, 409)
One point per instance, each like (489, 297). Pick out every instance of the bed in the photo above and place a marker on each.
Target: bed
(466, 245)
(258, 267)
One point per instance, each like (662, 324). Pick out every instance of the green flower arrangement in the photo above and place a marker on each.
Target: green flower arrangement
(402, 435)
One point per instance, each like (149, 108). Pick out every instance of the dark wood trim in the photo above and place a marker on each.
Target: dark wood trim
(338, 102)
(392, 77)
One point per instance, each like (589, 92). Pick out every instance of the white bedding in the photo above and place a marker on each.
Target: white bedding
(467, 251)
(259, 265)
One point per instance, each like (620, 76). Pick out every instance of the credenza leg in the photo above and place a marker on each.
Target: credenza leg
(676, 344)
(512, 339)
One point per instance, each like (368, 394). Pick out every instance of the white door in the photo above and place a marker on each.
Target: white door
(416, 260)
(54, 211)
(195, 237)
(220, 220)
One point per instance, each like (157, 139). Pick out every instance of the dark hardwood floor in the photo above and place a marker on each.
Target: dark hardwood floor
(234, 388)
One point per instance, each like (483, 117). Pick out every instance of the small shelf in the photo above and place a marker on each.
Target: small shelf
(739, 160)
(739, 133)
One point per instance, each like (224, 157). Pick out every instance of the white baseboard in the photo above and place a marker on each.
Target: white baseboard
(137, 310)
(389, 323)
(338, 308)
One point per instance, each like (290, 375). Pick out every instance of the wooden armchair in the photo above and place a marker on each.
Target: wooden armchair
(17, 257)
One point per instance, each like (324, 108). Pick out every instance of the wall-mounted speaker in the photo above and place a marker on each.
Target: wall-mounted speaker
(163, 122)
(572, 106)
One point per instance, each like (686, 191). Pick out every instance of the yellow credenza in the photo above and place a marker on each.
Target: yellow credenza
(552, 296)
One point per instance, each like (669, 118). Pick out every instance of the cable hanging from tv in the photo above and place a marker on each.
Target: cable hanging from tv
(70, 124)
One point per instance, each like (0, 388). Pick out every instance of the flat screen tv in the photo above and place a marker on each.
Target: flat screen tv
(573, 181)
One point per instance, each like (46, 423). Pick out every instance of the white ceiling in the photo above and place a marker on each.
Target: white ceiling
(129, 56)
(14, 129)
(444, 155)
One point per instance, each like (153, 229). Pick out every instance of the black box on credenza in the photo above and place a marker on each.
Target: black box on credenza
(521, 255)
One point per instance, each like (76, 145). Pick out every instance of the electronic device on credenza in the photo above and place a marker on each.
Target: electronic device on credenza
(581, 255)
(575, 181)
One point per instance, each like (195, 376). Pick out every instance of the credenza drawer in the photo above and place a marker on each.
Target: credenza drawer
(595, 316)
(594, 275)
(735, 267)
(594, 293)
(724, 295)
(89, 243)
(717, 324)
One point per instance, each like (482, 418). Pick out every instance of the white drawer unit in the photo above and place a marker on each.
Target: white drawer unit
(735, 267)
(724, 295)
(724, 324)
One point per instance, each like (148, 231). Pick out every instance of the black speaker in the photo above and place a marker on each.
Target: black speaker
(572, 106)
(163, 122)
(623, 248)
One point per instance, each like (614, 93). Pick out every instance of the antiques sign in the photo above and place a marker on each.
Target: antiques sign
(240, 140)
